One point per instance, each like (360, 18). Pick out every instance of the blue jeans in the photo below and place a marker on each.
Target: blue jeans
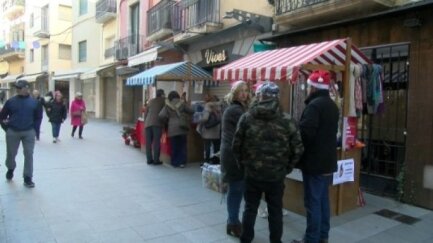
(235, 193)
(56, 129)
(316, 202)
(178, 150)
(153, 139)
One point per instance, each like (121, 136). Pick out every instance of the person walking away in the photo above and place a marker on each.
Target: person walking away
(176, 113)
(267, 144)
(153, 128)
(41, 101)
(211, 127)
(19, 116)
(319, 126)
(78, 108)
(238, 100)
(57, 114)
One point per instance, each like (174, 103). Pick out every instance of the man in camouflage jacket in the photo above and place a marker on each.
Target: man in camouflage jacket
(267, 145)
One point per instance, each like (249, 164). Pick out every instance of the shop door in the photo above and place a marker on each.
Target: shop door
(110, 98)
(63, 87)
(385, 134)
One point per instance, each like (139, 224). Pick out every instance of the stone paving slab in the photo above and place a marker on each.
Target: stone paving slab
(100, 190)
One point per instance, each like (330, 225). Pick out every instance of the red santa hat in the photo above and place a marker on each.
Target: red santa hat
(320, 79)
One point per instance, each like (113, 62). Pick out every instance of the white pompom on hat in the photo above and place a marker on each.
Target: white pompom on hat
(320, 79)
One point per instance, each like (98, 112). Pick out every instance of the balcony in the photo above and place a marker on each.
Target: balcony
(129, 46)
(304, 13)
(105, 11)
(13, 8)
(43, 31)
(191, 18)
(159, 20)
(12, 51)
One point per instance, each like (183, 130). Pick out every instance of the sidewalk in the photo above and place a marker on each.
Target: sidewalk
(100, 190)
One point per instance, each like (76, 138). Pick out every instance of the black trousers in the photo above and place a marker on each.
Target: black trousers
(274, 198)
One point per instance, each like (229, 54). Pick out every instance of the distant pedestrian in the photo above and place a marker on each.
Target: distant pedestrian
(238, 100)
(78, 108)
(176, 112)
(267, 145)
(210, 127)
(318, 125)
(57, 113)
(19, 116)
(41, 102)
(153, 128)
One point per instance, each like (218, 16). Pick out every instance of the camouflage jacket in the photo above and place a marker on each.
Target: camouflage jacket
(267, 142)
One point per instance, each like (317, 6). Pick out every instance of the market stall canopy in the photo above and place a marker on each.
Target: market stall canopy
(286, 63)
(180, 71)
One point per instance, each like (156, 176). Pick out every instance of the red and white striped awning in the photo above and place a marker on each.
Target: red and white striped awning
(285, 63)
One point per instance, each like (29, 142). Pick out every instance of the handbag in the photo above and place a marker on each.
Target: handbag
(84, 119)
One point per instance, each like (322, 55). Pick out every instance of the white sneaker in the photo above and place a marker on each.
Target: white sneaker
(54, 140)
(58, 140)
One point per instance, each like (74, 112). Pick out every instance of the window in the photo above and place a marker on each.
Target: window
(32, 20)
(83, 7)
(44, 57)
(64, 52)
(32, 55)
(82, 51)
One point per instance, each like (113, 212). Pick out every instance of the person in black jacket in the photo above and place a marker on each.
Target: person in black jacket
(318, 125)
(18, 118)
(238, 100)
(57, 111)
(41, 102)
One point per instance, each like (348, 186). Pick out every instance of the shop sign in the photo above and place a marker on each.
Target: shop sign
(215, 57)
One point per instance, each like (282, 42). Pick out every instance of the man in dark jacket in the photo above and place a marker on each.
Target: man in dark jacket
(318, 125)
(153, 127)
(267, 144)
(19, 116)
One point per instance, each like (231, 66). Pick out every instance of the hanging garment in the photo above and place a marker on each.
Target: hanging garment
(358, 89)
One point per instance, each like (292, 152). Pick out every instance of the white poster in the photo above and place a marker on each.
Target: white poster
(345, 171)
(198, 87)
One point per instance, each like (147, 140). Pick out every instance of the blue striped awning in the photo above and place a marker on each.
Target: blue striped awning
(181, 71)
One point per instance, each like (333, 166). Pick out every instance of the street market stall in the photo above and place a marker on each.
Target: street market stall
(180, 77)
(290, 67)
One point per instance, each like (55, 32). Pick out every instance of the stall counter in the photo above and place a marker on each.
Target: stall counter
(342, 197)
(194, 146)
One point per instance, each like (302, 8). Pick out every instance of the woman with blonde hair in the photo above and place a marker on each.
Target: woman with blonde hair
(238, 100)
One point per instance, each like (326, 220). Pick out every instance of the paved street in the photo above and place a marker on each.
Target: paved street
(99, 190)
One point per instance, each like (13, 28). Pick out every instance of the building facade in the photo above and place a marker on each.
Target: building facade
(12, 44)
(48, 39)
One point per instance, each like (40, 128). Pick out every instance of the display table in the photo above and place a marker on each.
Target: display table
(194, 144)
(342, 197)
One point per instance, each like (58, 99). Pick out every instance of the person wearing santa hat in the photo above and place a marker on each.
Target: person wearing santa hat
(318, 126)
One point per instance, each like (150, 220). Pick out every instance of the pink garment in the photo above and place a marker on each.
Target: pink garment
(77, 106)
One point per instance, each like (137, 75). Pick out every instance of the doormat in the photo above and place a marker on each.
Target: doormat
(402, 218)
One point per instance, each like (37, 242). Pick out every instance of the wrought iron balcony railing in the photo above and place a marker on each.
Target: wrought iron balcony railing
(285, 6)
(159, 16)
(9, 4)
(129, 46)
(10, 49)
(188, 14)
(105, 10)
